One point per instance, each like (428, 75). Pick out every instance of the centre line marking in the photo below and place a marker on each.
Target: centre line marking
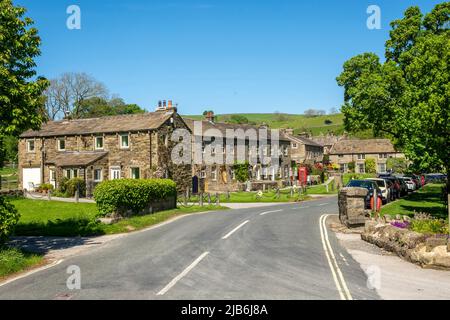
(182, 274)
(338, 278)
(234, 230)
(323, 204)
(263, 213)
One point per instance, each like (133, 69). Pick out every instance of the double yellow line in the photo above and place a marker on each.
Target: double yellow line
(338, 278)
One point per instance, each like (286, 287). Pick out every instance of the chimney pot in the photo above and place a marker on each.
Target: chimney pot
(169, 105)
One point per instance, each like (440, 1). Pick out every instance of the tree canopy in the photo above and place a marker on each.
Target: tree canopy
(406, 97)
(21, 101)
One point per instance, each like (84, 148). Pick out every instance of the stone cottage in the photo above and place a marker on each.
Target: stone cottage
(97, 149)
(344, 152)
(304, 149)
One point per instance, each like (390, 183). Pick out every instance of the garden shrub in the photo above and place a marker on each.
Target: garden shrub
(72, 185)
(45, 187)
(428, 226)
(117, 196)
(9, 216)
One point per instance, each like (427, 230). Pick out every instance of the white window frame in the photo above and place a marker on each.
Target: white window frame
(101, 175)
(233, 174)
(121, 141)
(131, 172)
(202, 174)
(214, 174)
(361, 156)
(294, 145)
(95, 143)
(34, 145)
(383, 165)
(59, 144)
(114, 169)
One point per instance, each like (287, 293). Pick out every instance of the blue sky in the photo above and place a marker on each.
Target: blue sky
(246, 56)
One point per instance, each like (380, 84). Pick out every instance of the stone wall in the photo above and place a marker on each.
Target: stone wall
(351, 203)
(422, 249)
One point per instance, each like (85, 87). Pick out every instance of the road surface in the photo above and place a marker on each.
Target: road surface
(277, 252)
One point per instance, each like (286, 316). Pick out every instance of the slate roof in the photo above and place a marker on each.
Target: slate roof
(363, 146)
(74, 159)
(303, 140)
(110, 124)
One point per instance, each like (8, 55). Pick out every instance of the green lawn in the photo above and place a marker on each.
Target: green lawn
(53, 218)
(321, 189)
(13, 260)
(427, 200)
(270, 196)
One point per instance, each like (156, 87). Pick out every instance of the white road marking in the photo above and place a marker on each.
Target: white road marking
(323, 204)
(338, 278)
(31, 272)
(263, 213)
(182, 274)
(306, 207)
(234, 230)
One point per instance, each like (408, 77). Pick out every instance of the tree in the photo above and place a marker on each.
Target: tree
(66, 94)
(20, 90)
(408, 96)
(238, 118)
(370, 165)
(397, 165)
(99, 107)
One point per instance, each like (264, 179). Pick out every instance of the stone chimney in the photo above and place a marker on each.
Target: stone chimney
(210, 116)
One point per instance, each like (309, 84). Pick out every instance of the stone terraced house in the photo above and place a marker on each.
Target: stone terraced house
(345, 151)
(221, 177)
(97, 149)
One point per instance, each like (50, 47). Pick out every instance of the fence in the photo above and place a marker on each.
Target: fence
(8, 182)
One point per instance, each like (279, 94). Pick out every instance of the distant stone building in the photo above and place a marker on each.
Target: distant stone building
(303, 149)
(327, 141)
(344, 152)
(97, 149)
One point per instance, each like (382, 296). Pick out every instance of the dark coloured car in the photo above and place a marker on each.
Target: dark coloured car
(369, 185)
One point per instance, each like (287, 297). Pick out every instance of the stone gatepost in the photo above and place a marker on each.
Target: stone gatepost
(351, 203)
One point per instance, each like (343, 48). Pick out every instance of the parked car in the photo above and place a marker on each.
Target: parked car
(371, 186)
(403, 188)
(410, 184)
(383, 185)
(435, 178)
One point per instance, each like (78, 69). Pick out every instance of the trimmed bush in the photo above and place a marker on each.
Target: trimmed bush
(119, 196)
(8, 219)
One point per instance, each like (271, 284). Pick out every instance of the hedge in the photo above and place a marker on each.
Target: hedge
(118, 196)
(9, 216)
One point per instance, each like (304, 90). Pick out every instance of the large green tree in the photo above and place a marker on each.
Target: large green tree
(406, 97)
(20, 91)
(21, 100)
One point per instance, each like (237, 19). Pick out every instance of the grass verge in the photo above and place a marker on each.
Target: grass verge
(13, 260)
(427, 200)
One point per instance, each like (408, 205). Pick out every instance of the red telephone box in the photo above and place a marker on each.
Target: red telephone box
(303, 176)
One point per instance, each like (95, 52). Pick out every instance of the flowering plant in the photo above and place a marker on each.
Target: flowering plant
(400, 224)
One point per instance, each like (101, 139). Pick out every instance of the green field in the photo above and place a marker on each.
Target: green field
(298, 122)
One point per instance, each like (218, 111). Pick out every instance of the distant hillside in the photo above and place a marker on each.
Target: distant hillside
(299, 122)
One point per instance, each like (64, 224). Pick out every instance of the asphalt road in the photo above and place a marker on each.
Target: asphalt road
(276, 252)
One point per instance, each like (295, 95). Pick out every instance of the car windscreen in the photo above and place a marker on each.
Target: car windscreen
(360, 183)
(380, 183)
